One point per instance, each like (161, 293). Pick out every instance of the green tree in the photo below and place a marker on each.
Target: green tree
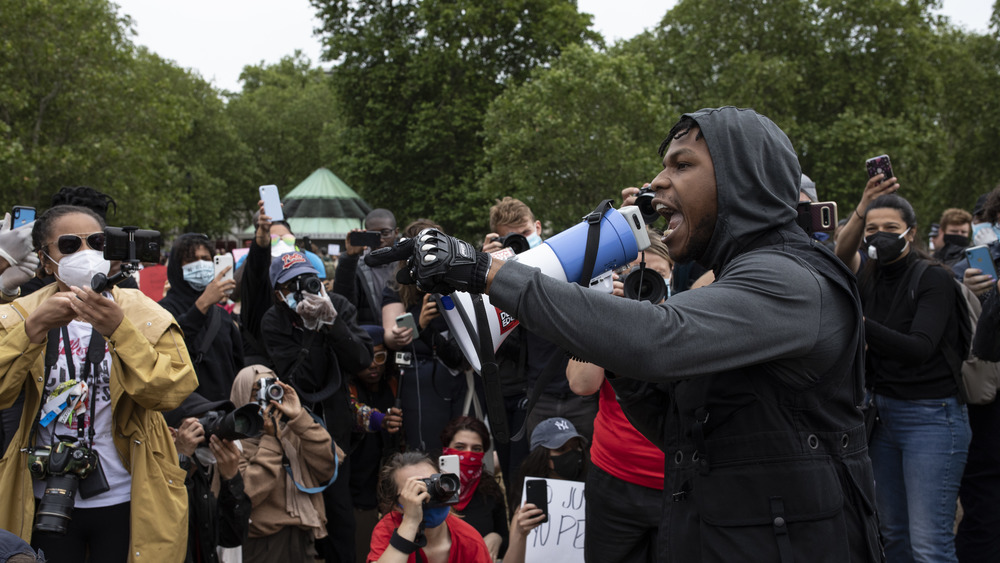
(283, 114)
(414, 80)
(576, 133)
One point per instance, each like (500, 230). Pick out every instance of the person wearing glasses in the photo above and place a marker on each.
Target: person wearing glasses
(212, 338)
(361, 284)
(376, 433)
(123, 358)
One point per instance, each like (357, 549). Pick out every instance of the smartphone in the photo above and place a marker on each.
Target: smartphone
(221, 261)
(371, 239)
(536, 491)
(22, 216)
(979, 257)
(118, 240)
(272, 202)
(449, 464)
(879, 165)
(406, 320)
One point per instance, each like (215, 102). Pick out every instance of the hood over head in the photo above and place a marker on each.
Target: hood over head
(757, 178)
(181, 295)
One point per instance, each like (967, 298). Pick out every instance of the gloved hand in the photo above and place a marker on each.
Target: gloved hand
(442, 264)
(15, 244)
(315, 311)
(16, 276)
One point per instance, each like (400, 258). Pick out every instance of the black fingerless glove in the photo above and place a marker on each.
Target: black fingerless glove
(442, 264)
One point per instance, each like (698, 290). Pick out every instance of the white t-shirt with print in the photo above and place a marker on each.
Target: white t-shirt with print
(118, 477)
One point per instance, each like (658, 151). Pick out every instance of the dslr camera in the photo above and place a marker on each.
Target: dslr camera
(514, 241)
(269, 391)
(65, 468)
(644, 201)
(443, 488)
(306, 283)
(244, 422)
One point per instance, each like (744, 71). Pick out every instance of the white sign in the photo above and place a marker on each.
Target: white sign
(333, 249)
(560, 538)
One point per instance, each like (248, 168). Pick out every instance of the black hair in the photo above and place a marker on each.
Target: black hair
(187, 244)
(488, 485)
(536, 464)
(85, 196)
(380, 213)
(41, 232)
(679, 129)
(284, 224)
(991, 208)
(897, 202)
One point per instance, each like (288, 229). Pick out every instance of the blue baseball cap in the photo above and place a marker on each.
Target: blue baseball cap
(290, 265)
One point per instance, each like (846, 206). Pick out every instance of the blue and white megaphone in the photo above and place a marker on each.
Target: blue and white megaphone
(563, 256)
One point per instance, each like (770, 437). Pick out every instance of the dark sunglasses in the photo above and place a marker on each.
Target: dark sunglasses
(68, 244)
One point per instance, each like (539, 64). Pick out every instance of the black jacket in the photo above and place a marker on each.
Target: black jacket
(222, 521)
(329, 355)
(217, 360)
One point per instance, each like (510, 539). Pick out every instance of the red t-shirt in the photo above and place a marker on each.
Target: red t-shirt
(467, 546)
(620, 449)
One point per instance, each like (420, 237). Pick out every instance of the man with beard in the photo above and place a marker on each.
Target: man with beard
(750, 384)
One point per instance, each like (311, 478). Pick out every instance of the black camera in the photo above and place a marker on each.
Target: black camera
(132, 246)
(244, 422)
(269, 391)
(307, 283)
(644, 201)
(65, 468)
(443, 489)
(514, 241)
(644, 284)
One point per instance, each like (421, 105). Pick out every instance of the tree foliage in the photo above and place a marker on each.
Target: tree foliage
(414, 80)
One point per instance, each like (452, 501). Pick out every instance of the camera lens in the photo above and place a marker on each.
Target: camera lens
(515, 242)
(645, 285)
(275, 392)
(54, 509)
(644, 201)
(312, 284)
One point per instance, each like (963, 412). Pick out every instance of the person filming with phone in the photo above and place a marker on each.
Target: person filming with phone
(211, 335)
(920, 438)
(92, 467)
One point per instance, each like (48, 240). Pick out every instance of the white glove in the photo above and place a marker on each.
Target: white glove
(15, 244)
(315, 311)
(16, 276)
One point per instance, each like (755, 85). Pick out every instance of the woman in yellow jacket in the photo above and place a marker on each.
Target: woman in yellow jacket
(141, 367)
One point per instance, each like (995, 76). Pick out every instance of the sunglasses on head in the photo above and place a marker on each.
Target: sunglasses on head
(68, 244)
(287, 239)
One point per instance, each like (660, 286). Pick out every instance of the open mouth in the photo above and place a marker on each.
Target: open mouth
(671, 215)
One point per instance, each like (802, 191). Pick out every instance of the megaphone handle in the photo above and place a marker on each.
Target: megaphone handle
(491, 375)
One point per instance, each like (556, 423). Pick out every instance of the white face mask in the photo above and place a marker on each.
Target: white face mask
(534, 240)
(281, 248)
(80, 267)
(198, 274)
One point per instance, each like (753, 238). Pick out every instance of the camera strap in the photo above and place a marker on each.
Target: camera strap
(593, 240)
(288, 465)
(94, 356)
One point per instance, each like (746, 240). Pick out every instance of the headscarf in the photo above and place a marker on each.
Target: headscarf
(297, 504)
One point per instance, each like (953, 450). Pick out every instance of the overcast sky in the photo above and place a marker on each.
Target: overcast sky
(218, 37)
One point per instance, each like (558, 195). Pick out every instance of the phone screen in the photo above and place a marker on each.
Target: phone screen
(272, 202)
(979, 257)
(537, 493)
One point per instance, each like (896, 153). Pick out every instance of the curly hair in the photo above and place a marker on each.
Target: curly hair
(85, 196)
(186, 246)
(387, 490)
(991, 209)
(681, 128)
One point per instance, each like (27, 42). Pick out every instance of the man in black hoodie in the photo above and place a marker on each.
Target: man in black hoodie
(749, 385)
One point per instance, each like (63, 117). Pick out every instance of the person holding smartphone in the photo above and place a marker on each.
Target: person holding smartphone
(130, 354)
(430, 361)
(361, 284)
(920, 440)
(211, 335)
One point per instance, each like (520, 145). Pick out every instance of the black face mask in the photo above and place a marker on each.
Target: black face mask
(956, 240)
(886, 247)
(568, 465)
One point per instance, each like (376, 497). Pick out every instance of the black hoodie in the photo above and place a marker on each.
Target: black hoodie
(217, 362)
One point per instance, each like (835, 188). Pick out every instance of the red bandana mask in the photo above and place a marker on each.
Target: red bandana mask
(471, 465)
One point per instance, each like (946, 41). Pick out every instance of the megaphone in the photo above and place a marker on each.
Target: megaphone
(622, 236)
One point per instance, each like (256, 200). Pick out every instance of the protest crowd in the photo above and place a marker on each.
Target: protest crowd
(793, 393)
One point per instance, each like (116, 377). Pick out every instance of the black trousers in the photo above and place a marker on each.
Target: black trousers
(622, 520)
(512, 453)
(103, 532)
(338, 546)
(978, 538)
